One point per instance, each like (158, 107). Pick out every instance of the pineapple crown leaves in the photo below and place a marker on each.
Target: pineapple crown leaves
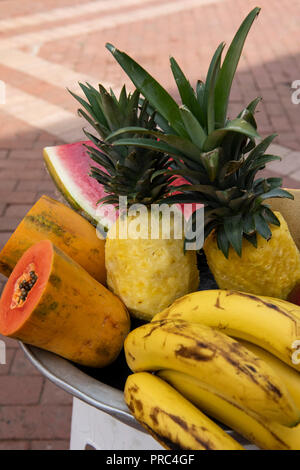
(200, 124)
(133, 171)
(218, 157)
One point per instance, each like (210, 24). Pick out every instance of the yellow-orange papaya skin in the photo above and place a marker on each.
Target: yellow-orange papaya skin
(75, 317)
(69, 231)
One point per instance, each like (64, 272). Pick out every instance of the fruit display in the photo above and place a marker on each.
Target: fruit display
(228, 352)
(52, 220)
(141, 269)
(151, 400)
(248, 246)
(51, 302)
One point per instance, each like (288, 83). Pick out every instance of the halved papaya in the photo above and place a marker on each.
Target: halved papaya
(51, 302)
(52, 220)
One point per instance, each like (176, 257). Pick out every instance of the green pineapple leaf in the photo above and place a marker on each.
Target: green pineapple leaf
(210, 85)
(181, 144)
(151, 89)
(186, 92)
(94, 111)
(99, 128)
(276, 192)
(200, 90)
(233, 228)
(194, 129)
(252, 239)
(248, 224)
(261, 226)
(110, 109)
(161, 122)
(251, 108)
(222, 241)
(237, 125)
(270, 217)
(150, 144)
(210, 161)
(229, 67)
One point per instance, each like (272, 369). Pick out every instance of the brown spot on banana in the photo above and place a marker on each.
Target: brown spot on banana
(166, 442)
(218, 304)
(135, 406)
(193, 353)
(153, 415)
(139, 405)
(263, 302)
(131, 356)
(156, 324)
(133, 388)
(274, 389)
(205, 443)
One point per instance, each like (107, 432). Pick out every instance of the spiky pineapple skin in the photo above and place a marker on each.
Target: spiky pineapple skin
(148, 275)
(272, 269)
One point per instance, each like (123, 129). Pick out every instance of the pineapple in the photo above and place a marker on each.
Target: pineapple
(147, 274)
(272, 268)
(248, 246)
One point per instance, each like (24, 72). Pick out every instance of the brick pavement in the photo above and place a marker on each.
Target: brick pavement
(48, 45)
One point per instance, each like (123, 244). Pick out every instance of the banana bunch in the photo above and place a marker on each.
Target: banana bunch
(251, 386)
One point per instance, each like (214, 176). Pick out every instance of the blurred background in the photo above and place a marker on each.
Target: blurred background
(49, 45)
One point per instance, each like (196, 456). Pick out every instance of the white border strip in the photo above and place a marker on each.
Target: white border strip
(101, 24)
(74, 11)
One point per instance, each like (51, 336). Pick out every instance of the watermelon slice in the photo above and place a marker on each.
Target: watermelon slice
(69, 166)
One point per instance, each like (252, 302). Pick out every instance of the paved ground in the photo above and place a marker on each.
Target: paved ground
(48, 45)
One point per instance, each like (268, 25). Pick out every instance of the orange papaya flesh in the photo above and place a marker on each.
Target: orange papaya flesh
(64, 311)
(69, 231)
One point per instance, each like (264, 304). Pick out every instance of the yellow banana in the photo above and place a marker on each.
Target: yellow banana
(222, 364)
(272, 324)
(289, 376)
(261, 432)
(171, 419)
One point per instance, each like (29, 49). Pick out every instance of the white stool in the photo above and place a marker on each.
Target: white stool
(95, 429)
